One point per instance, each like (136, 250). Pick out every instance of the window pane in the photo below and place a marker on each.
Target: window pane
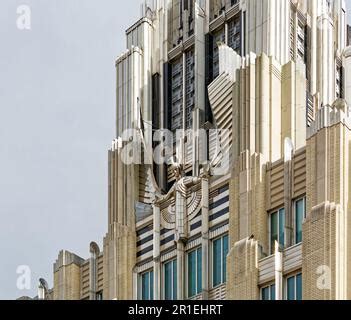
(299, 287)
(145, 286)
(281, 226)
(217, 256)
(99, 296)
(273, 292)
(274, 229)
(192, 274)
(199, 271)
(168, 281)
(175, 279)
(225, 253)
(265, 294)
(291, 289)
(300, 213)
(151, 285)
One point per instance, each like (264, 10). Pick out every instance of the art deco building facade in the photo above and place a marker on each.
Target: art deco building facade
(275, 76)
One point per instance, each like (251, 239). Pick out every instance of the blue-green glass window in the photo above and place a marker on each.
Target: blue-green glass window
(170, 280)
(151, 285)
(224, 257)
(291, 288)
(299, 287)
(274, 229)
(219, 256)
(194, 272)
(268, 293)
(299, 216)
(147, 286)
(99, 296)
(273, 292)
(199, 271)
(277, 225)
(294, 287)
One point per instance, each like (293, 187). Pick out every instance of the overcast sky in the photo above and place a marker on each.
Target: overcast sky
(57, 109)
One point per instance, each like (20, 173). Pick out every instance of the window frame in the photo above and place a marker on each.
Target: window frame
(295, 217)
(288, 277)
(196, 249)
(223, 277)
(268, 286)
(174, 294)
(270, 213)
(99, 295)
(151, 285)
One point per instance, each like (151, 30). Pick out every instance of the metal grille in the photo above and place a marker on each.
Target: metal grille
(189, 89)
(339, 82)
(292, 38)
(309, 109)
(301, 41)
(177, 95)
(234, 35)
(218, 37)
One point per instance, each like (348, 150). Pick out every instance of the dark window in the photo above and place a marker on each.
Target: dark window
(268, 293)
(277, 225)
(219, 260)
(170, 280)
(146, 287)
(294, 287)
(194, 272)
(300, 214)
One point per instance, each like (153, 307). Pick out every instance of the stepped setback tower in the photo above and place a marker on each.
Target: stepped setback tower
(229, 172)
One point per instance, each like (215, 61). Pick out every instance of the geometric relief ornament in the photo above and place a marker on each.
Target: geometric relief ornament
(186, 187)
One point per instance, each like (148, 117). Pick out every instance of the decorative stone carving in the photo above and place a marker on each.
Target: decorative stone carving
(188, 190)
